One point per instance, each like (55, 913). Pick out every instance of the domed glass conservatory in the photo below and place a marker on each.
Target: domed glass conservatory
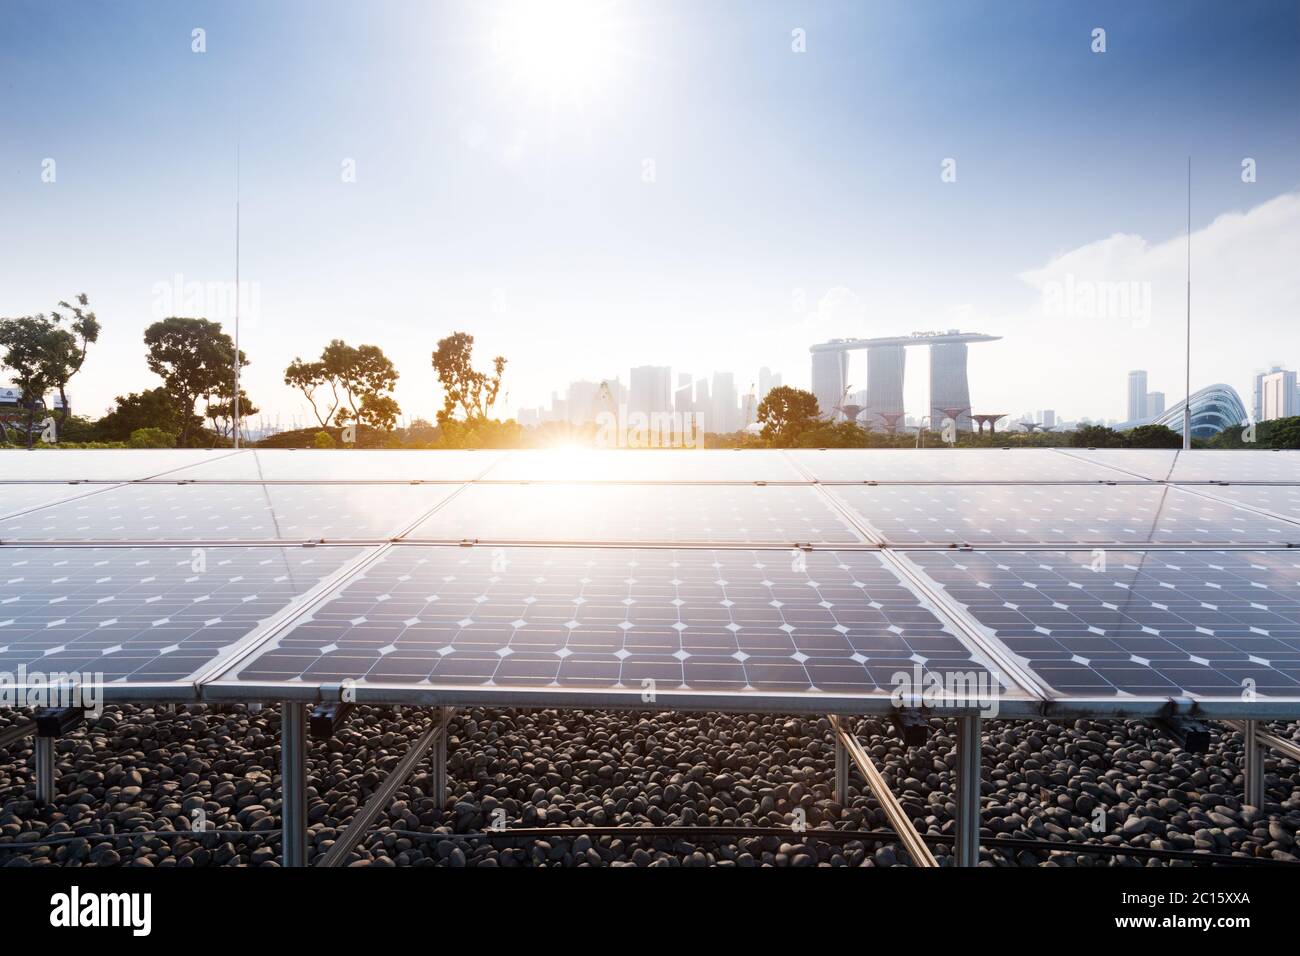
(1214, 408)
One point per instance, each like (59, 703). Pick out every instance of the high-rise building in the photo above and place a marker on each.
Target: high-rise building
(704, 405)
(1137, 395)
(748, 409)
(830, 369)
(767, 380)
(684, 397)
(1048, 417)
(949, 386)
(650, 390)
(1278, 395)
(1155, 404)
(726, 403)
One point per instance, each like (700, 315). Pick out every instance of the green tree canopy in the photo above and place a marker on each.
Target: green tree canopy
(1153, 436)
(785, 412)
(194, 358)
(1096, 436)
(35, 349)
(152, 408)
(85, 327)
(473, 392)
(357, 378)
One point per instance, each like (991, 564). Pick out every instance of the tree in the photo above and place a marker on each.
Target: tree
(472, 391)
(1096, 436)
(85, 327)
(194, 358)
(152, 438)
(219, 409)
(357, 377)
(35, 348)
(1153, 436)
(152, 408)
(785, 412)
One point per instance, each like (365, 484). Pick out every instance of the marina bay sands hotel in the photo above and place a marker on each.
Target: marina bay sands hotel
(886, 358)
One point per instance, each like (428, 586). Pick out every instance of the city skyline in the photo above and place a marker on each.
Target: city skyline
(804, 196)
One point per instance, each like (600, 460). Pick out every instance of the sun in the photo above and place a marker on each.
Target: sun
(562, 51)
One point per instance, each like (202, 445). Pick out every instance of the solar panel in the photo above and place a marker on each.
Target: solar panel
(108, 464)
(15, 499)
(144, 615)
(762, 624)
(748, 514)
(1154, 463)
(1213, 625)
(154, 512)
(949, 465)
(341, 465)
(645, 465)
(1237, 465)
(1057, 514)
(1283, 500)
(1199, 464)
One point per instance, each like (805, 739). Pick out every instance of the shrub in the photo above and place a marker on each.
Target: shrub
(323, 439)
(152, 438)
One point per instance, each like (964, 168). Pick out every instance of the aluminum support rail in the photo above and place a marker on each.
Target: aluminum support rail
(11, 735)
(897, 816)
(967, 847)
(293, 783)
(364, 818)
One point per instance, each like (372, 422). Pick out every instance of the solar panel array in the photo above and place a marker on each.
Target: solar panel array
(1077, 581)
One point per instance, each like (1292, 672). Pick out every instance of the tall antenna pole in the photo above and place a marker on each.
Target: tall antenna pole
(1187, 403)
(237, 296)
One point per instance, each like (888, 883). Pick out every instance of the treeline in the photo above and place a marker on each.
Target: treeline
(348, 388)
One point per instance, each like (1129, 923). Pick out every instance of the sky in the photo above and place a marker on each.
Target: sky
(590, 185)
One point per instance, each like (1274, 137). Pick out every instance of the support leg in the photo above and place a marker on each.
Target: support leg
(439, 760)
(842, 762)
(967, 849)
(44, 752)
(293, 784)
(1254, 766)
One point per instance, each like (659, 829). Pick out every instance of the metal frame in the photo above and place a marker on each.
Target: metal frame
(1027, 698)
(293, 784)
(894, 812)
(435, 737)
(969, 776)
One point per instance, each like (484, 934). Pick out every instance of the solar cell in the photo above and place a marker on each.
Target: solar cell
(341, 465)
(1154, 463)
(645, 465)
(144, 615)
(15, 499)
(1213, 625)
(748, 514)
(691, 621)
(949, 465)
(1283, 500)
(1057, 514)
(1237, 465)
(105, 464)
(170, 512)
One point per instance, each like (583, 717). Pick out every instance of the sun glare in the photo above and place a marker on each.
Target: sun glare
(563, 51)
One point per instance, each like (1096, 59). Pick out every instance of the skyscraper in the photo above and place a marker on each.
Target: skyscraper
(767, 380)
(1155, 404)
(650, 390)
(1137, 395)
(683, 398)
(726, 411)
(1278, 398)
(829, 370)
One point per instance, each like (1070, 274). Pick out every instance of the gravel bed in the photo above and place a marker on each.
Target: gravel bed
(138, 769)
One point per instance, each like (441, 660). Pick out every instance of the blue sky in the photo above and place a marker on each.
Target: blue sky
(495, 196)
